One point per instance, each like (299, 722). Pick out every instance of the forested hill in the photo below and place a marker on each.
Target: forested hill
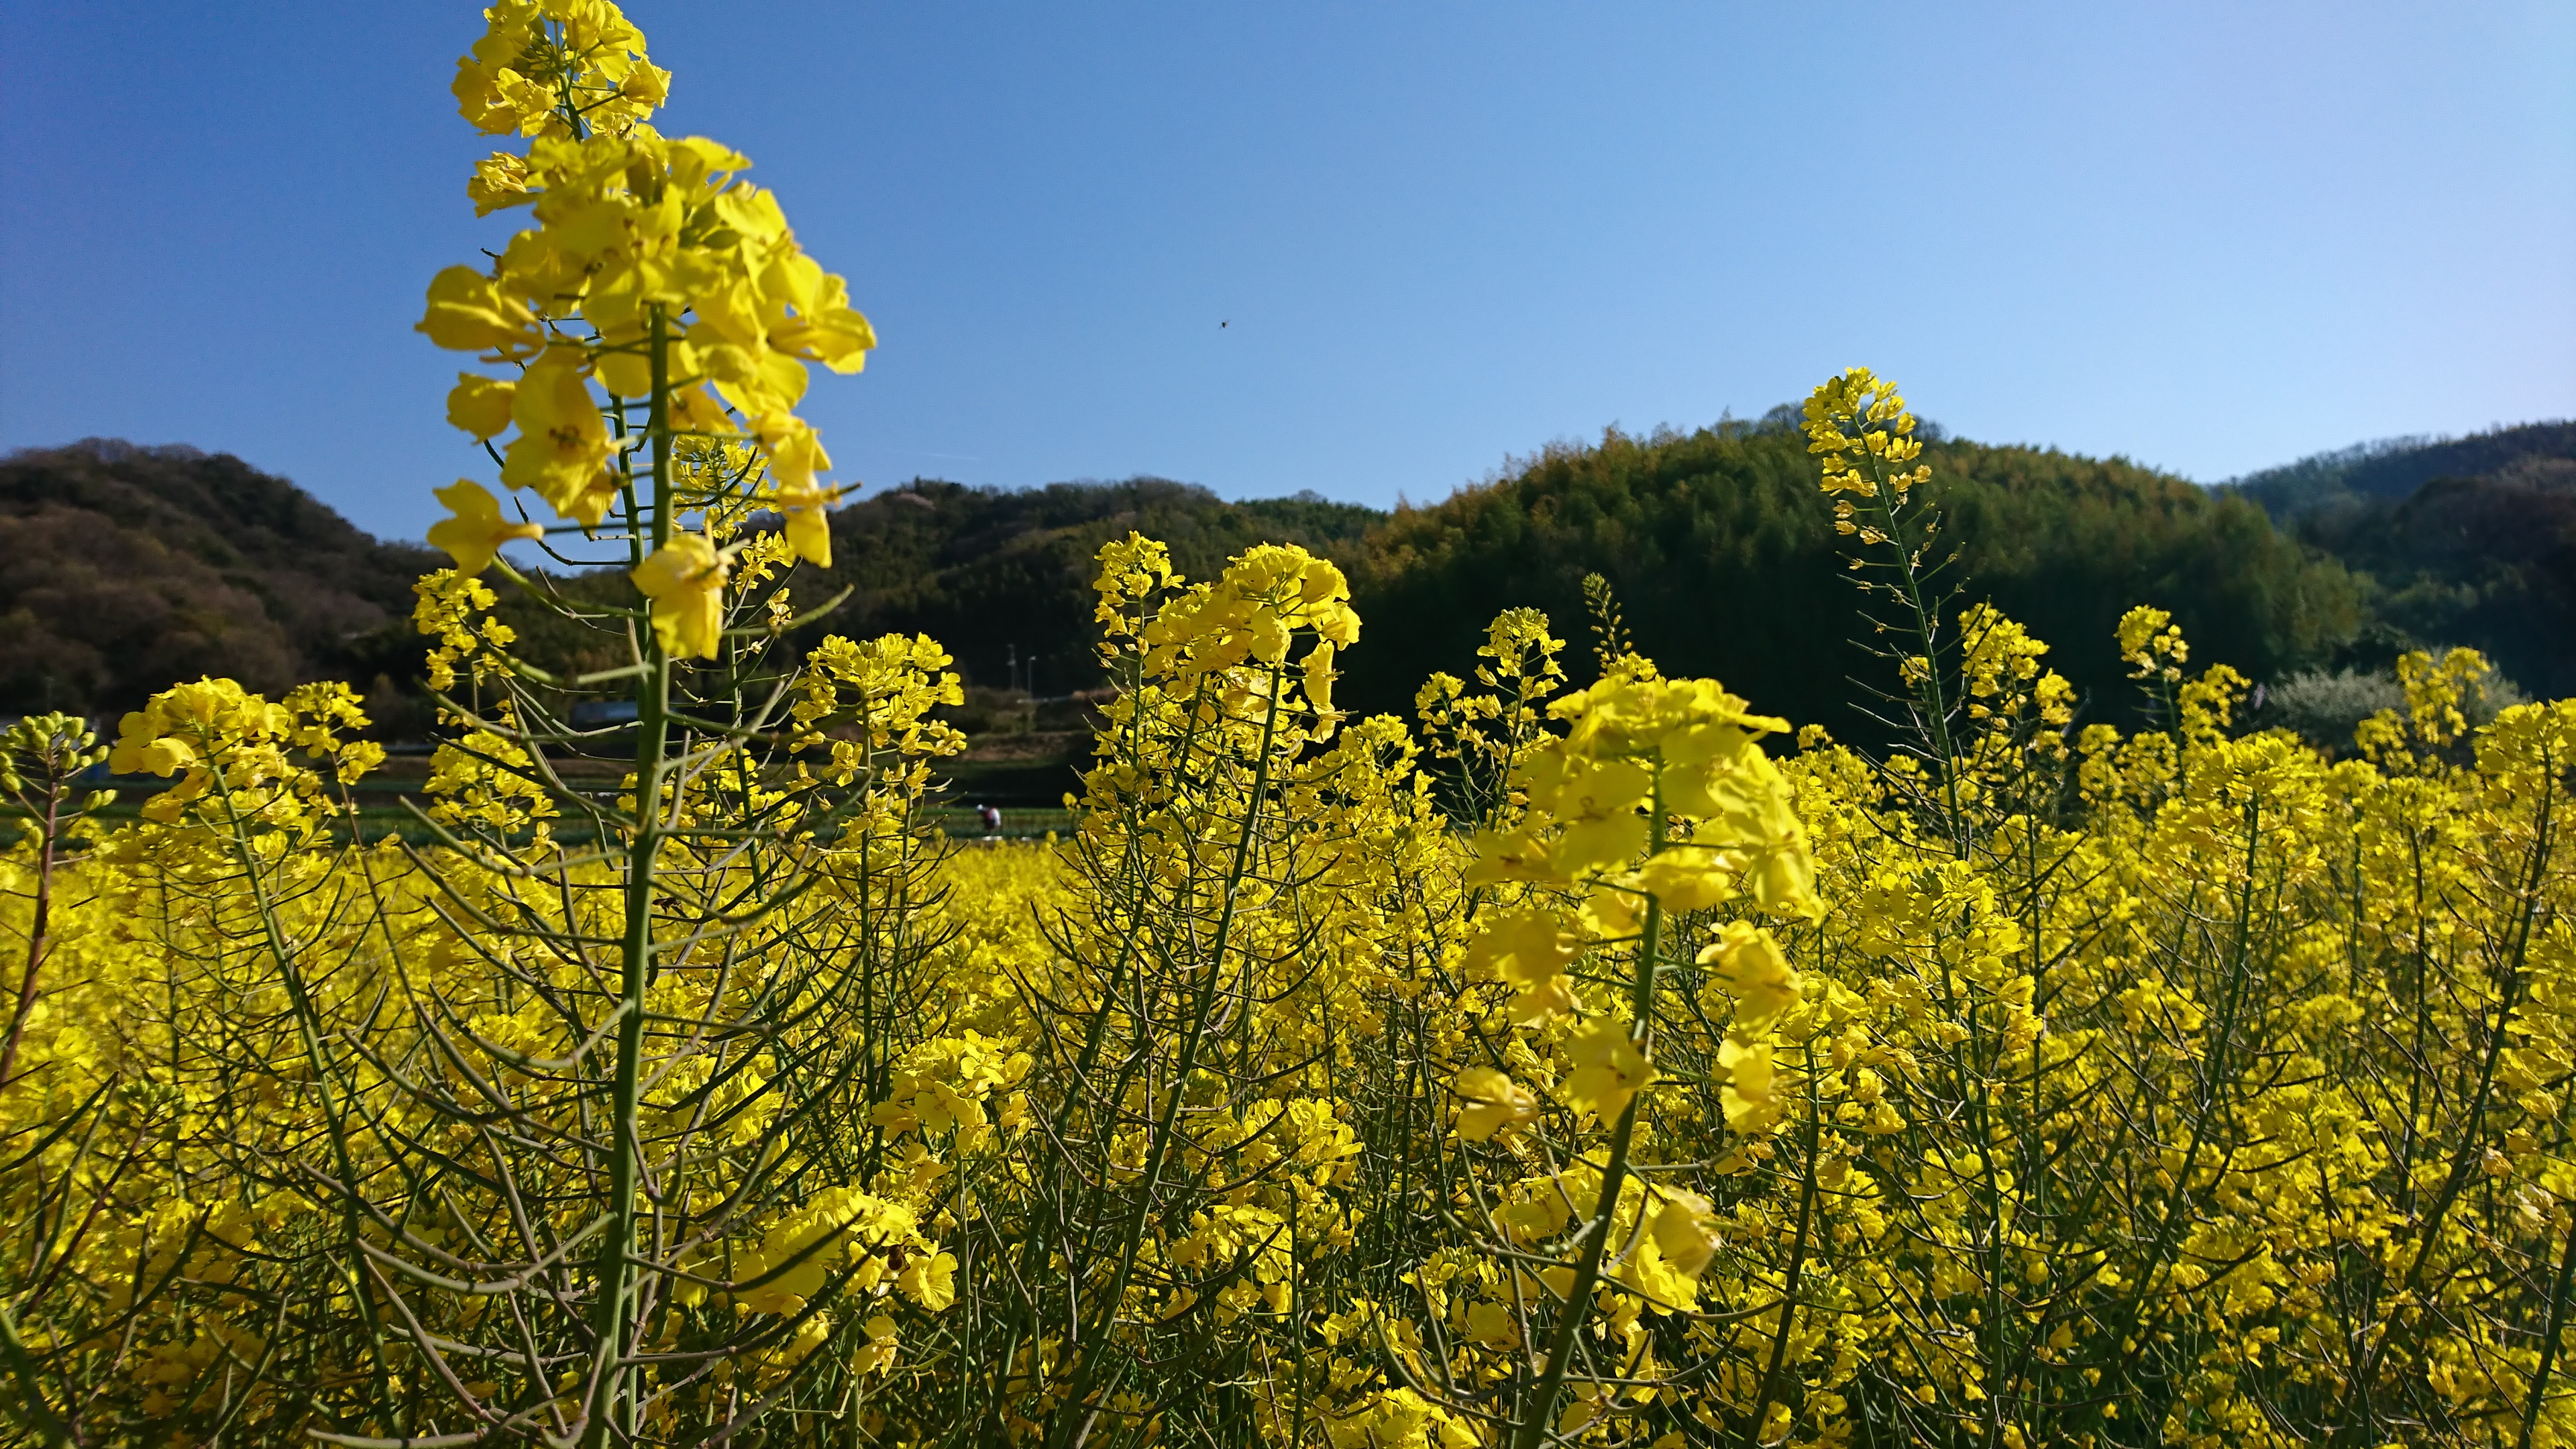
(2392, 469)
(125, 568)
(1717, 541)
(2460, 541)
(1722, 555)
(128, 568)
(998, 576)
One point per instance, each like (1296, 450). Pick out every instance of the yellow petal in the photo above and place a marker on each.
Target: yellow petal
(477, 531)
(469, 313)
(480, 405)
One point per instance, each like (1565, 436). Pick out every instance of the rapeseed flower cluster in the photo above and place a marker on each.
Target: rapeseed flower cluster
(653, 272)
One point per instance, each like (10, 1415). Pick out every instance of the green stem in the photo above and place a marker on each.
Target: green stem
(37, 930)
(40, 1416)
(1931, 699)
(1086, 1372)
(2549, 1337)
(1541, 1405)
(1797, 1259)
(309, 1032)
(611, 1402)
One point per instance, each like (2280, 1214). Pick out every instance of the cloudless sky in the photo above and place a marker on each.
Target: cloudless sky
(2208, 236)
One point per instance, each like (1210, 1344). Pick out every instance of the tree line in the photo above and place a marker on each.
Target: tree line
(125, 568)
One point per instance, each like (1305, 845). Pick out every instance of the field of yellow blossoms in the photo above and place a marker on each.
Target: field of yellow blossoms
(1599, 1065)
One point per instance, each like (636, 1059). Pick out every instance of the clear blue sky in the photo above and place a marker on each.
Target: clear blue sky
(2211, 237)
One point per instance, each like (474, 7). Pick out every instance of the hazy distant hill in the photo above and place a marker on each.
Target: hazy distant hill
(2460, 541)
(2391, 469)
(125, 568)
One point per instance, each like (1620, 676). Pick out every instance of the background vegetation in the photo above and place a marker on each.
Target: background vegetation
(2469, 540)
(127, 567)
(123, 568)
(1724, 566)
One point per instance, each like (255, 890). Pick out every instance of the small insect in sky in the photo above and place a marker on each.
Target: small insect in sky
(1221, 326)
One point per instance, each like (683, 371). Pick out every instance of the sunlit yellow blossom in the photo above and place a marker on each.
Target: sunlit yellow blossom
(141, 750)
(469, 312)
(1524, 947)
(1489, 1101)
(877, 1354)
(931, 1281)
(475, 530)
(563, 446)
(1686, 879)
(480, 405)
(693, 411)
(685, 580)
(1315, 674)
(1608, 1069)
(1751, 1093)
(1752, 968)
(794, 449)
(500, 180)
(1686, 1230)
(807, 522)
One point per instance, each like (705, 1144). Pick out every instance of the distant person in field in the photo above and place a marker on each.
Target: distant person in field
(992, 818)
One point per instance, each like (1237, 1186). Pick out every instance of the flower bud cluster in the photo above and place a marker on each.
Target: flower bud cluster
(2151, 644)
(1859, 425)
(540, 58)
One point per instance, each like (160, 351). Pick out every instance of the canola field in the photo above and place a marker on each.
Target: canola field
(1588, 1066)
(1590, 1058)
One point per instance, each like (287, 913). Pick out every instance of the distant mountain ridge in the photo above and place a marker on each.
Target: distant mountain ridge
(2392, 468)
(124, 569)
(2458, 540)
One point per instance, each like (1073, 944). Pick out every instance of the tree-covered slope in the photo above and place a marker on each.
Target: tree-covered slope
(2459, 541)
(124, 568)
(998, 576)
(2391, 469)
(1721, 552)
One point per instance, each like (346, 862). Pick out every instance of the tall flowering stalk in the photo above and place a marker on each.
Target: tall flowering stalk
(42, 758)
(1858, 425)
(767, 804)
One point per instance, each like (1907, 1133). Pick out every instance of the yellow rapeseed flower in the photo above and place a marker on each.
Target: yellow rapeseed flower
(1489, 1101)
(475, 531)
(563, 446)
(685, 579)
(480, 405)
(469, 312)
(1750, 965)
(1608, 1069)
